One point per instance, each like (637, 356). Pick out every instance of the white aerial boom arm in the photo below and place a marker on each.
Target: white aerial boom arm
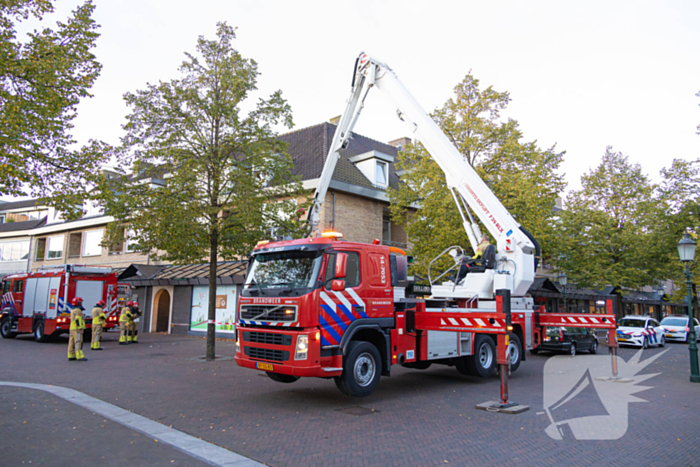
(516, 248)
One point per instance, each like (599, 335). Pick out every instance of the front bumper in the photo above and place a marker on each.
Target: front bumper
(256, 352)
(680, 336)
(630, 340)
(555, 346)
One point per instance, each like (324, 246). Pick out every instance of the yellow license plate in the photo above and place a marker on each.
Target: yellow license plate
(622, 340)
(264, 366)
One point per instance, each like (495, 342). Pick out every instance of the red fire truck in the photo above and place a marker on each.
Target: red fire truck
(39, 302)
(324, 307)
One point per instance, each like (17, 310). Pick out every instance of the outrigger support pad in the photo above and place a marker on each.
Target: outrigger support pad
(503, 360)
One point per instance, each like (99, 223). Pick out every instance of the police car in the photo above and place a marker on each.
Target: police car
(676, 328)
(641, 331)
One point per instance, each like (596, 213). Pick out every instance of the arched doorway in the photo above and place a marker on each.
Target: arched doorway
(162, 311)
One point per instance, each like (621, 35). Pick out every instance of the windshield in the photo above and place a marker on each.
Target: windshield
(285, 269)
(675, 321)
(632, 323)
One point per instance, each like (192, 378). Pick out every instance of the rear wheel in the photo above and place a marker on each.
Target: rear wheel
(280, 378)
(483, 362)
(645, 343)
(39, 332)
(663, 341)
(514, 351)
(361, 370)
(572, 349)
(6, 329)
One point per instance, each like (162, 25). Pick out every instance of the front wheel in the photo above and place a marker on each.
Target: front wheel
(645, 343)
(280, 378)
(361, 370)
(594, 347)
(6, 329)
(663, 341)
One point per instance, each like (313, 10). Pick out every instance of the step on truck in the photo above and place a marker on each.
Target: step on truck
(39, 302)
(324, 307)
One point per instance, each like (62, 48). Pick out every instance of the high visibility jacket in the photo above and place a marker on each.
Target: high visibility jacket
(126, 315)
(480, 249)
(77, 322)
(98, 316)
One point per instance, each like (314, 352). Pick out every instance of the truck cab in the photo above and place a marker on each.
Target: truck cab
(305, 300)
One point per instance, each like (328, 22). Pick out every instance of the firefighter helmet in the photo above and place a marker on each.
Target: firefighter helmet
(101, 303)
(76, 301)
(129, 303)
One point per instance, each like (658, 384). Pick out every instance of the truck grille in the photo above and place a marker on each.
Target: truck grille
(267, 354)
(267, 338)
(269, 313)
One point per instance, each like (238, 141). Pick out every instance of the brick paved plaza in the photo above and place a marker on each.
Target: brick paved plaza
(423, 418)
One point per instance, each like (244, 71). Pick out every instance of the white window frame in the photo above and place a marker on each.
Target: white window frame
(49, 242)
(86, 235)
(385, 169)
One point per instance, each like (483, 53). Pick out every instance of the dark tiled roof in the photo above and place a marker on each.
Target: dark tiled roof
(24, 225)
(228, 272)
(27, 203)
(309, 148)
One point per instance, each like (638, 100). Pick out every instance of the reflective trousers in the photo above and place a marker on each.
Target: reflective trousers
(124, 328)
(96, 334)
(75, 342)
(133, 331)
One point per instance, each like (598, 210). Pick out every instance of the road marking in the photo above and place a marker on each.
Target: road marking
(197, 448)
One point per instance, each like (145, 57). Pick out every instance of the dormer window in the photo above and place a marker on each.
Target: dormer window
(381, 173)
(375, 166)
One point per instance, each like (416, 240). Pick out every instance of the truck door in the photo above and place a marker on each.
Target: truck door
(338, 309)
(91, 292)
(18, 294)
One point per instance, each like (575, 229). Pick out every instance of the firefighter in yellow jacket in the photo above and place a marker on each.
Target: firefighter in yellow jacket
(98, 320)
(125, 323)
(77, 326)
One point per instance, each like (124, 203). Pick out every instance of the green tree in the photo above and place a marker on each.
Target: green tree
(523, 176)
(680, 192)
(610, 231)
(218, 177)
(42, 80)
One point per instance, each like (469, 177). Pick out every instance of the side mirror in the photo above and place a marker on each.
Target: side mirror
(341, 266)
(338, 285)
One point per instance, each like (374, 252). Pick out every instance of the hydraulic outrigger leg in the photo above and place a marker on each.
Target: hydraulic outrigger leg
(505, 406)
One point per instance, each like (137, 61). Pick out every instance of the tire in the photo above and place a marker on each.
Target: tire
(6, 329)
(645, 343)
(361, 370)
(39, 335)
(280, 378)
(483, 362)
(663, 341)
(594, 347)
(515, 346)
(340, 384)
(572, 349)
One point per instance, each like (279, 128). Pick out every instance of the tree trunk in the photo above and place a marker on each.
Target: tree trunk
(211, 325)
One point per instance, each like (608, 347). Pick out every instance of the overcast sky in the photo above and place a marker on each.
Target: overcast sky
(583, 75)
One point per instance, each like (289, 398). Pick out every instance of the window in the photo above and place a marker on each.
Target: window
(352, 272)
(2, 219)
(74, 242)
(55, 247)
(5, 287)
(386, 227)
(131, 243)
(91, 245)
(18, 286)
(381, 176)
(40, 249)
(14, 251)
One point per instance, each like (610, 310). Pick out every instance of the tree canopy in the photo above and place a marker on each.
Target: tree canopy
(522, 176)
(42, 80)
(209, 179)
